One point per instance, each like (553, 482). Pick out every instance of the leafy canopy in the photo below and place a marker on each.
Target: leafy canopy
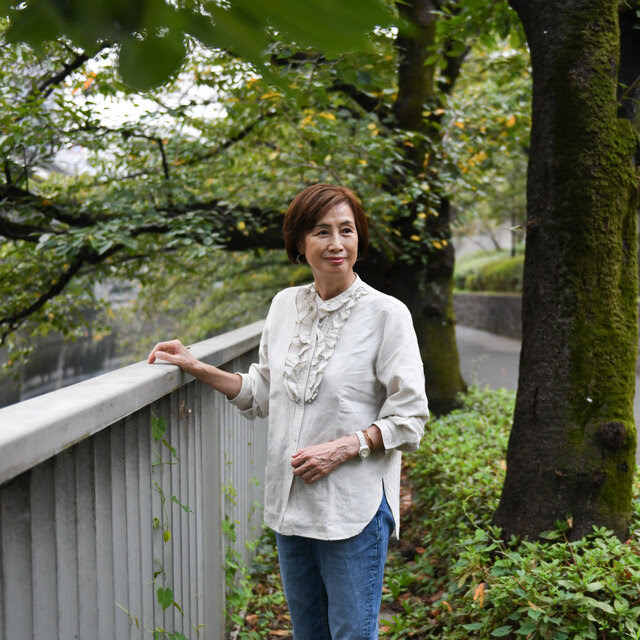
(209, 161)
(152, 34)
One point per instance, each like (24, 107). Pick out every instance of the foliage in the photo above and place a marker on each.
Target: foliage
(490, 271)
(152, 34)
(256, 608)
(489, 120)
(454, 478)
(166, 179)
(560, 590)
(466, 582)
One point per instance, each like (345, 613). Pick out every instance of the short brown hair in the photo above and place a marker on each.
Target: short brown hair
(310, 205)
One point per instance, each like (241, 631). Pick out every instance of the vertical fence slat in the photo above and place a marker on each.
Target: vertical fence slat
(119, 532)
(198, 500)
(43, 536)
(132, 531)
(86, 518)
(106, 606)
(143, 428)
(184, 428)
(67, 545)
(157, 544)
(16, 554)
(192, 554)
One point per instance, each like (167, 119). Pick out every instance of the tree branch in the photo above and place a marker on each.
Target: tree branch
(84, 256)
(45, 87)
(18, 231)
(17, 197)
(368, 103)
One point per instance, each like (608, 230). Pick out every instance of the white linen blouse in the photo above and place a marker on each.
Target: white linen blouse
(326, 369)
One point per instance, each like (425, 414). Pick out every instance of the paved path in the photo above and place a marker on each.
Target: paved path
(493, 360)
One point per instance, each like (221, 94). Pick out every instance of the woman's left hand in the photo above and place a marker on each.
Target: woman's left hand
(319, 460)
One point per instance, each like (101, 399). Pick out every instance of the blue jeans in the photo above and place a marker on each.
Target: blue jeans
(334, 587)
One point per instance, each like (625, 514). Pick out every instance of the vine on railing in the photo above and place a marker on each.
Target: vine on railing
(162, 524)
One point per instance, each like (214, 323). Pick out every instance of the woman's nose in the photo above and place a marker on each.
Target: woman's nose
(335, 241)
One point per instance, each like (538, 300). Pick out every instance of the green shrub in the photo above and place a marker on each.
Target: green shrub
(490, 272)
(456, 477)
(558, 590)
(469, 263)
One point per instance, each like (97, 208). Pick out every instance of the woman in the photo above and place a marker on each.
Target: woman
(341, 379)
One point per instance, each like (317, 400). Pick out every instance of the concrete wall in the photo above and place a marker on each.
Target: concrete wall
(494, 312)
(81, 488)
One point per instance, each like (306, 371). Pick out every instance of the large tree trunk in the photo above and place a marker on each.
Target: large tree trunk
(572, 446)
(428, 293)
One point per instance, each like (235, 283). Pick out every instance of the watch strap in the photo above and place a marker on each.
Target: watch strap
(364, 450)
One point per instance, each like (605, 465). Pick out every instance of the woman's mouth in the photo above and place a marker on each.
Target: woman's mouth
(335, 260)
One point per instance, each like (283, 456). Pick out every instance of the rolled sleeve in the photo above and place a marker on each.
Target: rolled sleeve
(244, 400)
(405, 411)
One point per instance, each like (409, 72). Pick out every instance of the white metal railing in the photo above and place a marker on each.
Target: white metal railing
(88, 514)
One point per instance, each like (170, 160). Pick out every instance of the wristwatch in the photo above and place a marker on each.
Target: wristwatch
(364, 450)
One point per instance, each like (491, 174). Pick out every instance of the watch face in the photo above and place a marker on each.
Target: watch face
(364, 452)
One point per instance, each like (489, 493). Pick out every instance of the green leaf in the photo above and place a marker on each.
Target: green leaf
(527, 627)
(595, 586)
(145, 64)
(620, 604)
(165, 597)
(174, 453)
(500, 632)
(184, 507)
(158, 427)
(605, 606)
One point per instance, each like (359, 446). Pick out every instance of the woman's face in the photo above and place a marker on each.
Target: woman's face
(331, 247)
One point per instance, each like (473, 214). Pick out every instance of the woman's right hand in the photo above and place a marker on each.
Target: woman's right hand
(176, 353)
(173, 352)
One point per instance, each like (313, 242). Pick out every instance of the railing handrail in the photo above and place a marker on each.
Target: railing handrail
(36, 429)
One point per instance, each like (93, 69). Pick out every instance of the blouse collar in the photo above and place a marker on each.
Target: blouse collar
(327, 306)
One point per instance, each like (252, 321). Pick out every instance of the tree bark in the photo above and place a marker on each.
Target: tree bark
(572, 446)
(429, 297)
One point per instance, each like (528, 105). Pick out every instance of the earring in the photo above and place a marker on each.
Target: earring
(300, 259)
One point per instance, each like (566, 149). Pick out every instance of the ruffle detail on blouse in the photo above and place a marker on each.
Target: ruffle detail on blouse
(309, 305)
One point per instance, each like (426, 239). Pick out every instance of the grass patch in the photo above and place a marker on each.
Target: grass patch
(452, 577)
